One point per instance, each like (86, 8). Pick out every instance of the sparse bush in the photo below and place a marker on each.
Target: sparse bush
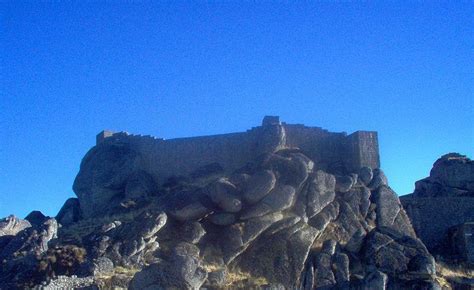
(62, 260)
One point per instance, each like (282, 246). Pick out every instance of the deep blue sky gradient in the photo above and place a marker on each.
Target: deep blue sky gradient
(188, 68)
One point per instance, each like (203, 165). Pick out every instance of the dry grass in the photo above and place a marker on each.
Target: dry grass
(119, 271)
(446, 272)
(82, 228)
(443, 283)
(240, 279)
(454, 271)
(119, 279)
(211, 267)
(126, 271)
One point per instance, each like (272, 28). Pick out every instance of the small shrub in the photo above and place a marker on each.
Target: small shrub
(61, 260)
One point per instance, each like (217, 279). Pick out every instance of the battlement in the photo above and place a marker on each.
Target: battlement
(271, 120)
(332, 152)
(102, 135)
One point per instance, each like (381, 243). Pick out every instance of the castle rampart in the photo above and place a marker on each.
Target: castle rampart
(333, 152)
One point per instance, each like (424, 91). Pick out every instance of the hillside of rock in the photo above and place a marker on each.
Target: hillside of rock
(442, 208)
(276, 224)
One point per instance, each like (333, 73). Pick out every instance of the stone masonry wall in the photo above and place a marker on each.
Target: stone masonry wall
(362, 150)
(185, 155)
(324, 148)
(333, 152)
(432, 217)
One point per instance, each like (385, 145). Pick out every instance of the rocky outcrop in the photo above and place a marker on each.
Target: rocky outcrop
(270, 223)
(9, 228)
(397, 254)
(35, 255)
(31, 240)
(20, 252)
(70, 212)
(36, 218)
(12, 225)
(442, 203)
(182, 271)
(109, 177)
(127, 244)
(451, 175)
(280, 222)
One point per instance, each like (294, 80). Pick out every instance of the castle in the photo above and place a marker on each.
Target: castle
(333, 152)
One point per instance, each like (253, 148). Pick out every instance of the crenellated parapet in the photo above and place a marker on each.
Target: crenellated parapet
(333, 152)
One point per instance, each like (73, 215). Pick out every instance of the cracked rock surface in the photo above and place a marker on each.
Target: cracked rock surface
(277, 223)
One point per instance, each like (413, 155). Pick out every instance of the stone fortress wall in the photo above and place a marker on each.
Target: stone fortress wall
(333, 152)
(447, 211)
(442, 207)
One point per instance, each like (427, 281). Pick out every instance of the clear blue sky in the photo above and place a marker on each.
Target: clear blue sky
(173, 70)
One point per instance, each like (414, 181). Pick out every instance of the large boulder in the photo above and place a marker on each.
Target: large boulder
(102, 266)
(329, 268)
(379, 179)
(375, 280)
(128, 244)
(191, 232)
(111, 179)
(280, 257)
(326, 216)
(397, 254)
(272, 137)
(344, 183)
(36, 218)
(140, 185)
(280, 198)
(451, 175)
(291, 168)
(454, 170)
(222, 219)
(12, 225)
(258, 186)
(388, 206)
(224, 195)
(390, 212)
(321, 192)
(365, 175)
(183, 270)
(186, 206)
(70, 212)
(103, 175)
(237, 237)
(324, 275)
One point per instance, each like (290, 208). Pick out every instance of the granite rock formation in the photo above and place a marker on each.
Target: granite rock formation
(20, 251)
(442, 207)
(12, 225)
(452, 175)
(70, 212)
(285, 219)
(126, 169)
